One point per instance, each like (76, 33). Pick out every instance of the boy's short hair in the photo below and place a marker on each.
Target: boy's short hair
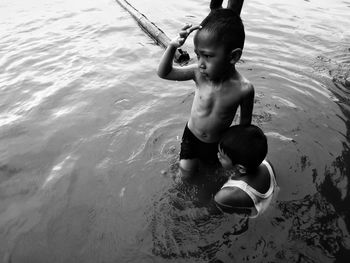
(226, 26)
(245, 145)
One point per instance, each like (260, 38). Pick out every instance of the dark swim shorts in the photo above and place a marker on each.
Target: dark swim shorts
(193, 148)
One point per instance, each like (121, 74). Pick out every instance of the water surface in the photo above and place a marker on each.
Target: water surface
(90, 136)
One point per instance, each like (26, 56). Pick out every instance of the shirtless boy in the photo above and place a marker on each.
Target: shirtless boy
(220, 88)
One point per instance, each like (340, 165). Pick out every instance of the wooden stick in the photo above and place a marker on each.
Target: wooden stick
(153, 31)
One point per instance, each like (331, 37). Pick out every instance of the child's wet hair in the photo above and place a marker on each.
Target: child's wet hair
(226, 27)
(245, 145)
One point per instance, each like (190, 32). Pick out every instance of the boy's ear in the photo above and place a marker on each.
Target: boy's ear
(236, 55)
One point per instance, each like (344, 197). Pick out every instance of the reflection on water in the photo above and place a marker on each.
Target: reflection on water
(314, 223)
(90, 136)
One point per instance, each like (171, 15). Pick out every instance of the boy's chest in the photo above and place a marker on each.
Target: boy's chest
(216, 97)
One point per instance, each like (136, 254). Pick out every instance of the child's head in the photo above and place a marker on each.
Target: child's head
(244, 145)
(219, 43)
(226, 27)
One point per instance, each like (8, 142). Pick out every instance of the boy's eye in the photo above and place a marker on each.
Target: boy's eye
(206, 56)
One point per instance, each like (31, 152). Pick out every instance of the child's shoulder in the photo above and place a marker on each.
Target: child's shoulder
(246, 85)
(241, 83)
(246, 89)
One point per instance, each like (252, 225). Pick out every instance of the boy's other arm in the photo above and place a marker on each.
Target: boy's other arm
(247, 105)
(235, 5)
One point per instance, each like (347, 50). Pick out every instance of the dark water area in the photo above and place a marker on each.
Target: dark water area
(90, 136)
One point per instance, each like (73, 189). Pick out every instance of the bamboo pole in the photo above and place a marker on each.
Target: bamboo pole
(153, 31)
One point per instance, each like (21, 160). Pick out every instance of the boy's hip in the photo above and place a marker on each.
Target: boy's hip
(193, 148)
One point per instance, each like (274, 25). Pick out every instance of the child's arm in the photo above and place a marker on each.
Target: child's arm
(229, 200)
(166, 70)
(247, 105)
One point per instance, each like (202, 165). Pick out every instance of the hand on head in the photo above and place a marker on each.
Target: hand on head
(183, 34)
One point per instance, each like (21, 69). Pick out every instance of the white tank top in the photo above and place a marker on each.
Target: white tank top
(261, 200)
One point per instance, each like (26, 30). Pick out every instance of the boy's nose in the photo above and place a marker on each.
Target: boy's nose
(201, 64)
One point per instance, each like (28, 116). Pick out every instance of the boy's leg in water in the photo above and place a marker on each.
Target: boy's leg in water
(189, 159)
(188, 168)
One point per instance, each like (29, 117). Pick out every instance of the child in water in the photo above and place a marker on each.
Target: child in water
(220, 88)
(252, 181)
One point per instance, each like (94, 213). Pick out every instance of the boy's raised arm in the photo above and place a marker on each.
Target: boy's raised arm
(166, 70)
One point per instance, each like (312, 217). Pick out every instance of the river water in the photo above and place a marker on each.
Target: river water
(90, 136)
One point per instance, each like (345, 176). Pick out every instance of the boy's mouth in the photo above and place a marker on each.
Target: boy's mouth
(203, 72)
(206, 76)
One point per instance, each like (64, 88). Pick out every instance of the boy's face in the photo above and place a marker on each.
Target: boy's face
(214, 62)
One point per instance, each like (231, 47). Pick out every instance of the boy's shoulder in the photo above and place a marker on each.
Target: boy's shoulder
(241, 83)
(242, 88)
(246, 85)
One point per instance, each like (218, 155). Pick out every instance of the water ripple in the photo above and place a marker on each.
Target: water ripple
(85, 120)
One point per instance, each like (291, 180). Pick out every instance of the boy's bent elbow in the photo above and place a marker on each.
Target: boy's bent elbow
(161, 74)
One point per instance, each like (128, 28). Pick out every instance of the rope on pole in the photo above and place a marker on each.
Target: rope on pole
(153, 31)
